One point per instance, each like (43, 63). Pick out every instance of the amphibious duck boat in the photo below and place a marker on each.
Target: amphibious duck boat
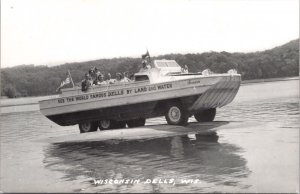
(162, 90)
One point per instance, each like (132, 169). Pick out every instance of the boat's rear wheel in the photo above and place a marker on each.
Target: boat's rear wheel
(136, 122)
(111, 124)
(176, 114)
(87, 127)
(206, 115)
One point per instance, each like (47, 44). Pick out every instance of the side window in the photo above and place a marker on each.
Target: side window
(141, 78)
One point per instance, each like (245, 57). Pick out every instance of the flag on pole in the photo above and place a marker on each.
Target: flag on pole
(66, 81)
(147, 59)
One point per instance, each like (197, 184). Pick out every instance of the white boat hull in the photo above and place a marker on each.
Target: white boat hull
(129, 100)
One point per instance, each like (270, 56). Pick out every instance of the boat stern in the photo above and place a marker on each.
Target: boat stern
(220, 94)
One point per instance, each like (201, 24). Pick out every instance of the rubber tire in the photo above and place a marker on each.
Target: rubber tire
(88, 127)
(101, 127)
(136, 122)
(207, 115)
(183, 117)
(113, 125)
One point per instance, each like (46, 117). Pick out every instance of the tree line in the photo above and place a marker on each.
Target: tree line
(30, 80)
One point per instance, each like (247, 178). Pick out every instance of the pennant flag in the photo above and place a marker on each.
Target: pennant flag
(65, 82)
(146, 55)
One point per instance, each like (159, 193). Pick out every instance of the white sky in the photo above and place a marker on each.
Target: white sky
(47, 32)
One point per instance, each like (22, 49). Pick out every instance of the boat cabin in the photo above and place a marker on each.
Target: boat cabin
(159, 69)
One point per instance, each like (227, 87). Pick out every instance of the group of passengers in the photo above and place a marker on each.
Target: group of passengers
(95, 77)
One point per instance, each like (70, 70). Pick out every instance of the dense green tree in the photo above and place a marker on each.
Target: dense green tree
(10, 91)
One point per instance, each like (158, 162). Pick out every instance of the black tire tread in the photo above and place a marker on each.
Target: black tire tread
(94, 127)
(185, 116)
(207, 115)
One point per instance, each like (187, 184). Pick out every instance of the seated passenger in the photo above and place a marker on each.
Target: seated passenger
(185, 69)
(125, 77)
(145, 66)
(118, 77)
(131, 77)
(109, 80)
(100, 80)
(95, 80)
(94, 72)
(86, 83)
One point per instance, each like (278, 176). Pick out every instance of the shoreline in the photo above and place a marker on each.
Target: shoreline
(244, 82)
(32, 100)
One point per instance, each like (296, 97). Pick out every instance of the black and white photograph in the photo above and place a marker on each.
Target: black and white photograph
(149, 96)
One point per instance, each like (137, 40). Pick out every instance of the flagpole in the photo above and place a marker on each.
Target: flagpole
(71, 78)
(148, 54)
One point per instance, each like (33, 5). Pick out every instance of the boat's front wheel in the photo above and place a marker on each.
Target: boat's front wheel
(87, 127)
(136, 122)
(176, 115)
(111, 124)
(205, 115)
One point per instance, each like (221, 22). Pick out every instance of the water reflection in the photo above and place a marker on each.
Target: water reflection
(281, 111)
(180, 157)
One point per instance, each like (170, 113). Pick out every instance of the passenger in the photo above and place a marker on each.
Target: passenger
(131, 77)
(118, 77)
(97, 74)
(185, 69)
(148, 66)
(125, 78)
(92, 72)
(100, 80)
(109, 80)
(145, 66)
(86, 83)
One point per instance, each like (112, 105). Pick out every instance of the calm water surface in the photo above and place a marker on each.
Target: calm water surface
(255, 149)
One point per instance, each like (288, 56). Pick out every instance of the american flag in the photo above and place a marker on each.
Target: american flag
(65, 82)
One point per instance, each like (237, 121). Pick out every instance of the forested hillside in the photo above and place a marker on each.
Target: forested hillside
(30, 80)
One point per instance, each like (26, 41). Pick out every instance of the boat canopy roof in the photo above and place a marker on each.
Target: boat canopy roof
(167, 66)
(158, 73)
(165, 63)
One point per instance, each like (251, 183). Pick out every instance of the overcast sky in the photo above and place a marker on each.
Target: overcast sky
(48, 32)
